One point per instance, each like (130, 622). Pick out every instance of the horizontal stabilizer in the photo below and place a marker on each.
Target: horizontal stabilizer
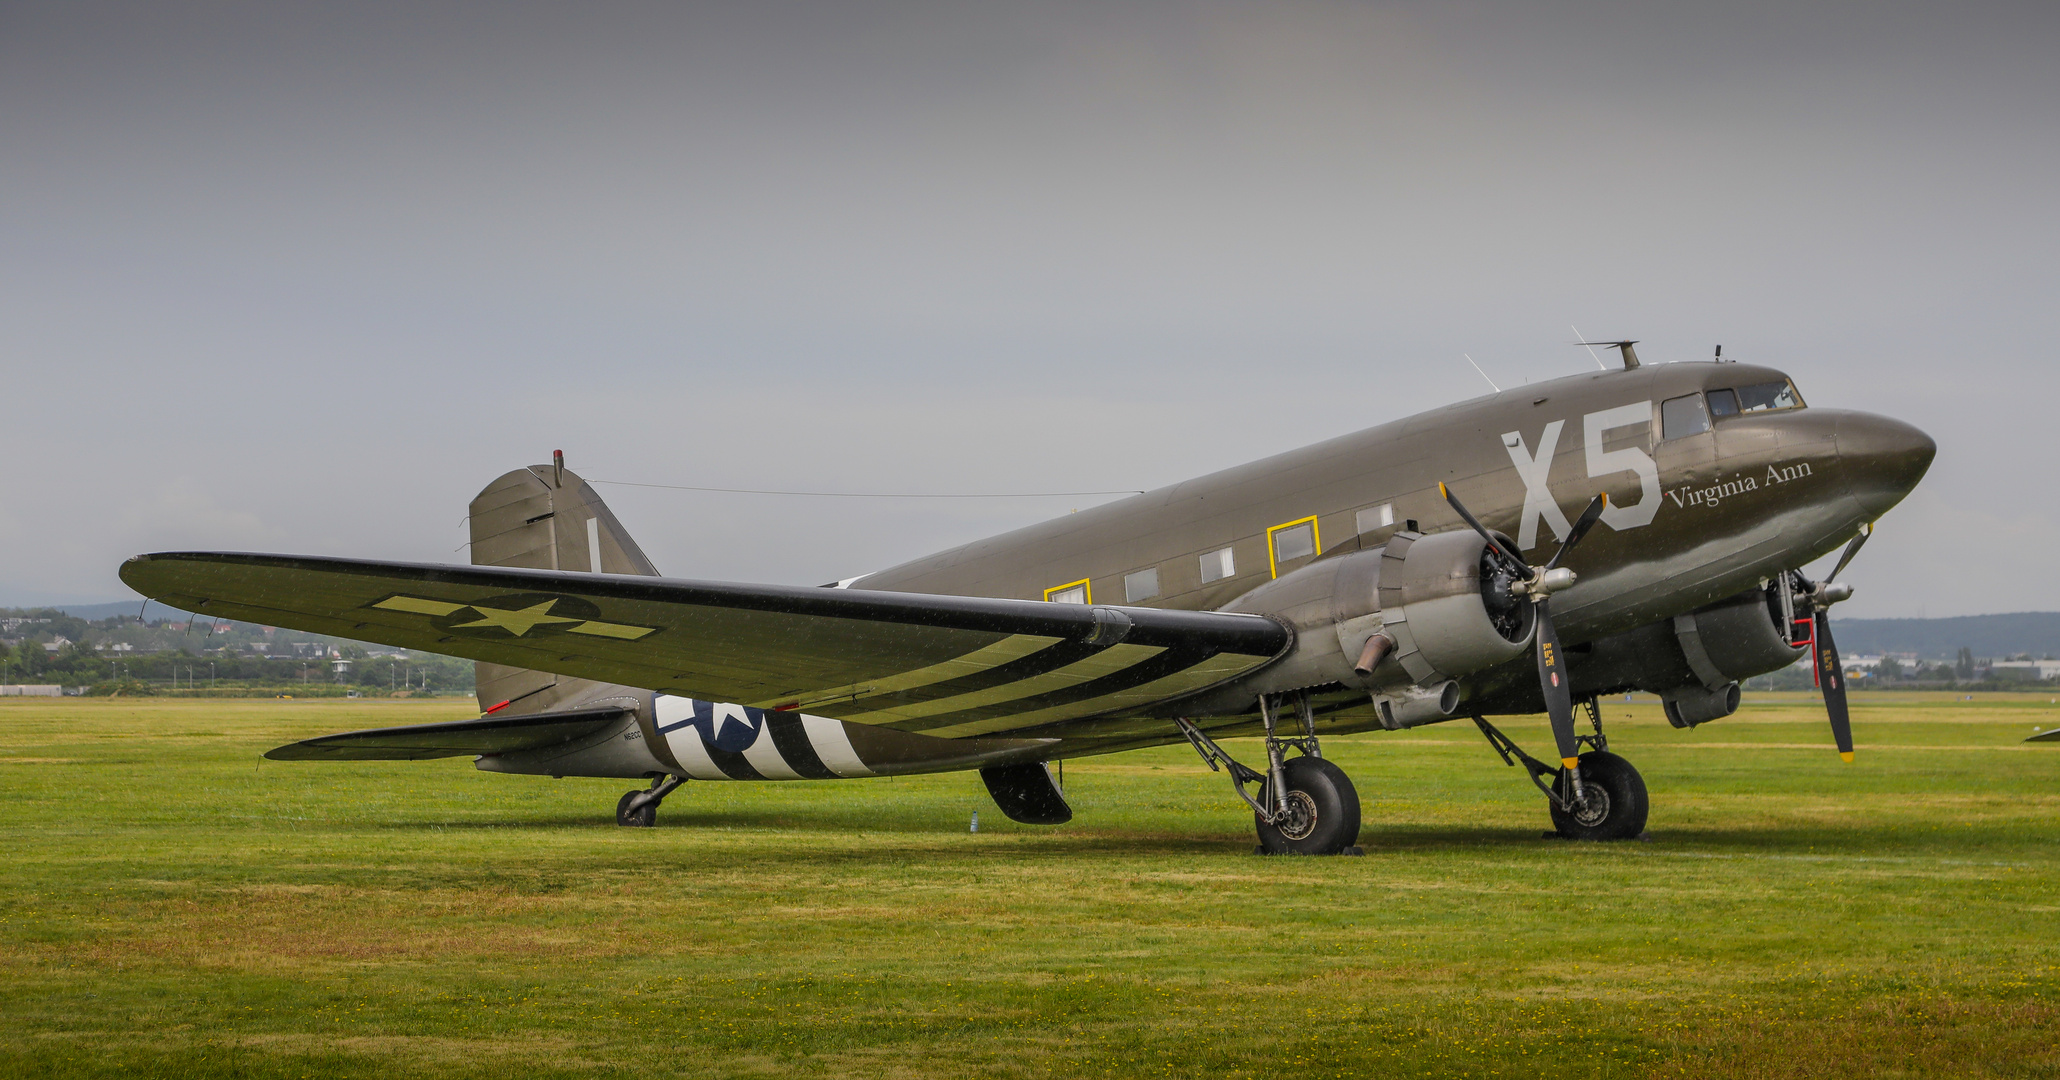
(2046, 736)
(492, 735)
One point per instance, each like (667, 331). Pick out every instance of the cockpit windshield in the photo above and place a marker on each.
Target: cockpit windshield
(1759, 397)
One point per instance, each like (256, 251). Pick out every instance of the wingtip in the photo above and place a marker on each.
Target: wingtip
(1442, 493)
(1845, 756)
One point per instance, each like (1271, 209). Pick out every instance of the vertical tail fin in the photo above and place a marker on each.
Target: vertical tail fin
(545, 517)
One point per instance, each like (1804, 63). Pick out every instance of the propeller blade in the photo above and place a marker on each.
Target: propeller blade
(1516, 563)
(1851, 550)
(1557, 687)
(1831, 675)
(1582, 524)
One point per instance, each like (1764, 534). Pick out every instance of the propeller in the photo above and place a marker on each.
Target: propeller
(1539, 583)
(1830, 671)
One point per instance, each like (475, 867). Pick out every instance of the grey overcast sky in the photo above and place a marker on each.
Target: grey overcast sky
(302, 278)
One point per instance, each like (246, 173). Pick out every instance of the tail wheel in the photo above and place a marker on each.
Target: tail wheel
(1616, 807)
(643, 817)
(1322, 811)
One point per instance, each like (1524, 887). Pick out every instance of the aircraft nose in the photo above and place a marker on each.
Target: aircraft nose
(1883, 457)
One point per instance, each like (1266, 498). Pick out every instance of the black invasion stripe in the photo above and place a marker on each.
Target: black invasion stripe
(732, 764)
(791, 740)
(1170, 662)
(1040, 662)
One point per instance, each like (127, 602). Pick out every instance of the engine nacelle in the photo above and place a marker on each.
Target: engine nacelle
(1440, 600)
(1446, 605)
(1694, 662)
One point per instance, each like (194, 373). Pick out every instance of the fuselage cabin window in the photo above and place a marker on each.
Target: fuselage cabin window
(1141, 586)
(1076, 593)
(1218, 565)
(1375, 517)
(1683, 416)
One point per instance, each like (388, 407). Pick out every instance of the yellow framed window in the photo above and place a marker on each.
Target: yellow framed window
(1073, 592)
(1291, 541)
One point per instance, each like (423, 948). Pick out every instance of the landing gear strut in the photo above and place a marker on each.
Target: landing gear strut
(639, 809)
(1305, 805)
(1603, 799)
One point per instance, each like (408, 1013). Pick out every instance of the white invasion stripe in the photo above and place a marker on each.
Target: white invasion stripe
(685, 742)
(833, 746)
(765, 757)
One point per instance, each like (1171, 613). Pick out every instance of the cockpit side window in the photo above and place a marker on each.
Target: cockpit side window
(1723, 403)
(1683, 416)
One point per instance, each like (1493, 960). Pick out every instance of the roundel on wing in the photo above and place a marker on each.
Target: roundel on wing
(517, 615)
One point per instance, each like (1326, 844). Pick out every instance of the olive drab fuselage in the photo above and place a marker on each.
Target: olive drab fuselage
(1694, 516)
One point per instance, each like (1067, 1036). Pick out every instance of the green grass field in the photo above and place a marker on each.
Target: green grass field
(172, 906)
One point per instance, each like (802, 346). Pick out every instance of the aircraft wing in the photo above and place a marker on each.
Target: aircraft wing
(947, 666)
(2046, 736)
(488, 735)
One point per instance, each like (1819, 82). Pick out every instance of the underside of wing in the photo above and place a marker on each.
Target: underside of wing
(490, 735)
(948, 666)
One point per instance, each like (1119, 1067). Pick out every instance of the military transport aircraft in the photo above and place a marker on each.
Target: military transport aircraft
(1429, 569)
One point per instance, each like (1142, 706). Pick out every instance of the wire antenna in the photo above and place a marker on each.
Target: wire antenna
(1484, 374)
(1583, 339)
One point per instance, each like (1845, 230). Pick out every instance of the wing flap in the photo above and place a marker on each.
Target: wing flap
(415, 742)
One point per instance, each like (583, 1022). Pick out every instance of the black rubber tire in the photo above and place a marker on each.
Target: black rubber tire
(643, 819)
(1332, 801)
(1621, 786)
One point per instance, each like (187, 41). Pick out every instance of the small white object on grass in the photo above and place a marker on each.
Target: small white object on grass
(976, 822)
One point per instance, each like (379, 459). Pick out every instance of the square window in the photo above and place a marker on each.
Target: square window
(1297, 541)
(1142, 585)
(1683, 416)
(1218, 565)
(1376, 517)
(1075, 593)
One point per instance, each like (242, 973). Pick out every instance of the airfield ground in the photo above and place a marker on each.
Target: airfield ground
(170, 906)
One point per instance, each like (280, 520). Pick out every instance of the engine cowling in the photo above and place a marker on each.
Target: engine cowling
(1439, 599)
(1448, 608)
(1694, 662)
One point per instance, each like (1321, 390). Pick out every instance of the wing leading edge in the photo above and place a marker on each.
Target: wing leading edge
(947, 666)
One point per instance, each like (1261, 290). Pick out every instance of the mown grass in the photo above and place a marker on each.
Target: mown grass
(172, 906)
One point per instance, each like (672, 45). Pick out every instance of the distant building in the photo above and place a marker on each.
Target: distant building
(56, 643)
(2046, 668)
(31, 690)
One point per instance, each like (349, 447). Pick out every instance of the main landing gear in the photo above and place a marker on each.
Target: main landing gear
(639, 809)
(1602, 799)
(1305, 805)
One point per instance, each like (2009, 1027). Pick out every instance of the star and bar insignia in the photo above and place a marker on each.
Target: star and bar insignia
(520, 615)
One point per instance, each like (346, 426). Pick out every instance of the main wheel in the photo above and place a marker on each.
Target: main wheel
(1616, 806)
(643, 818)
(1323, 811)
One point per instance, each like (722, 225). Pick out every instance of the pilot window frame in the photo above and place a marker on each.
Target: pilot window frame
(1084, 586)
(1226, 559)
(1273, 556)
(1667, 419)
(1134, 595)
